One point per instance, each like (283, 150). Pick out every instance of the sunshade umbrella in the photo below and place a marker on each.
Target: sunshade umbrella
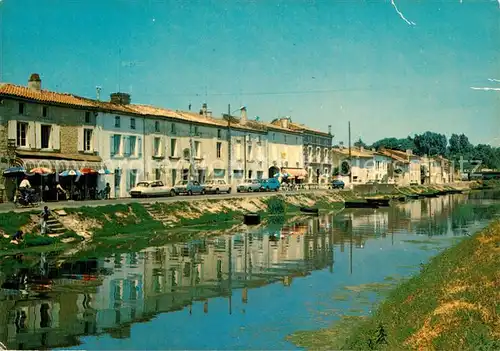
(104, 171)
(71, 172)
(88, 171)
(13, 170)
(41, 170)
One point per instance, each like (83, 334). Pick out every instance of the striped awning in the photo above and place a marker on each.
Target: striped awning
(60, 165)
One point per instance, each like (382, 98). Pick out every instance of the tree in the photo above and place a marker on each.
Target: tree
(430, 143)
(402, 144)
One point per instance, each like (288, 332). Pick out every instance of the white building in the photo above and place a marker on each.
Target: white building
(121, 144)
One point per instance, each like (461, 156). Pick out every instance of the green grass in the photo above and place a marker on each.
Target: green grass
(11, 222)
(451, 305)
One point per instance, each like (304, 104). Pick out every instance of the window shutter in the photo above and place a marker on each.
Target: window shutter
(95, 141)
(12, 130)
(80, 139)
(32, 133)
(139, 147)
(112, 145)
(126, 140)
(56, 137)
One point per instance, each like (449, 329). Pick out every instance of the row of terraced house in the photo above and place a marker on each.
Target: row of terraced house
(129, 142)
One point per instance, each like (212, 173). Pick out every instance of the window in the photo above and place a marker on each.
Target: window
(250, 174)
(21, 108)
(132, 140)
(45, 139)
(87, 139)
(87, 117)
(157, 126)
(285, 138)
(173, 147)
(132, 123)
(296, 140)
(172, 128)
(274, 136)
(116, 146)
(157, 174)
(196, 130)
(219, 133)
(45, 111)
(185, 174)
(259, 139)
(117, 122)
(219, 150)
(22, 132)
(157, 147)
(249, 153)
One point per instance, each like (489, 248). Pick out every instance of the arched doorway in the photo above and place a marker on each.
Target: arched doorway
(273, 171)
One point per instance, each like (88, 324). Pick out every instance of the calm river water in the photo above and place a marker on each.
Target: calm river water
(248, 290)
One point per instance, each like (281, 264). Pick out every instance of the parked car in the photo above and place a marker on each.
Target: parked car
(271, 184)
(217, 186)
(338, 184)
(189, 187)
(249, 185)
(151, 188)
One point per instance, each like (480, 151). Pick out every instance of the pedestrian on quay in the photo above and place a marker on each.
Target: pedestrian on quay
(44, 217)
(18, 237)
(107, 191)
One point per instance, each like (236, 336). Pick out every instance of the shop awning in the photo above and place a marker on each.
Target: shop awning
(295, 172)
(59, 166)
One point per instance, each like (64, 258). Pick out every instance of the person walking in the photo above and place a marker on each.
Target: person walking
(107, 191)
(44, 217)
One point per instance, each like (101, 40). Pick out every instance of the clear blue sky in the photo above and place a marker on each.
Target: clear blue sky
(321, 62)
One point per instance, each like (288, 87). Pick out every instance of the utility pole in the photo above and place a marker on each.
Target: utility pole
(245, 156)
(350, 155)
(229, 147)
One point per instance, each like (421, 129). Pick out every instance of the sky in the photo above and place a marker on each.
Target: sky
(320, 62)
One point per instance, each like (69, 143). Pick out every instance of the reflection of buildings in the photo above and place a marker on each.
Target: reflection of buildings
(163, 279)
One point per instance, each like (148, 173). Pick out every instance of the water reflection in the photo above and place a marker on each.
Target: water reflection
(51, 305)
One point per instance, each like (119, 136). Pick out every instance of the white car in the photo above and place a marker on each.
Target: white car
(151, 188)
(249, 185)
(217, 186)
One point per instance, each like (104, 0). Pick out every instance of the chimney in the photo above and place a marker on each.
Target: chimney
(330, 129)
(361, 149)
(209, 114)
(243, 118)
(204, 109)
(285, 122)
(98, 93)
(409, 152)
(120, 98)
(35, 82)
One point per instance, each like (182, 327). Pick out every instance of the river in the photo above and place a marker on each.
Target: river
(248, 290)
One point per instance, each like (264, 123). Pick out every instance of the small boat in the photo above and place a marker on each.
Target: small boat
(413, 196)
(380, 202)
(312, 210)
(430, 195)
(251, 219)
(402, 198)
(360, 204)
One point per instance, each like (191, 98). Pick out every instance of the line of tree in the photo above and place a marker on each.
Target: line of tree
(456, 148)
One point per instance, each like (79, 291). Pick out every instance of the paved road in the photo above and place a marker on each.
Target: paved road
(7, 207)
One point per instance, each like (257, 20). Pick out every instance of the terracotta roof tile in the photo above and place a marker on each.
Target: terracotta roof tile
(356, 152)
(302, 127)
(43, 96)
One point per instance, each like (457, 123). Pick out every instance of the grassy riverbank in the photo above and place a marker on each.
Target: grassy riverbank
(451, 305)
